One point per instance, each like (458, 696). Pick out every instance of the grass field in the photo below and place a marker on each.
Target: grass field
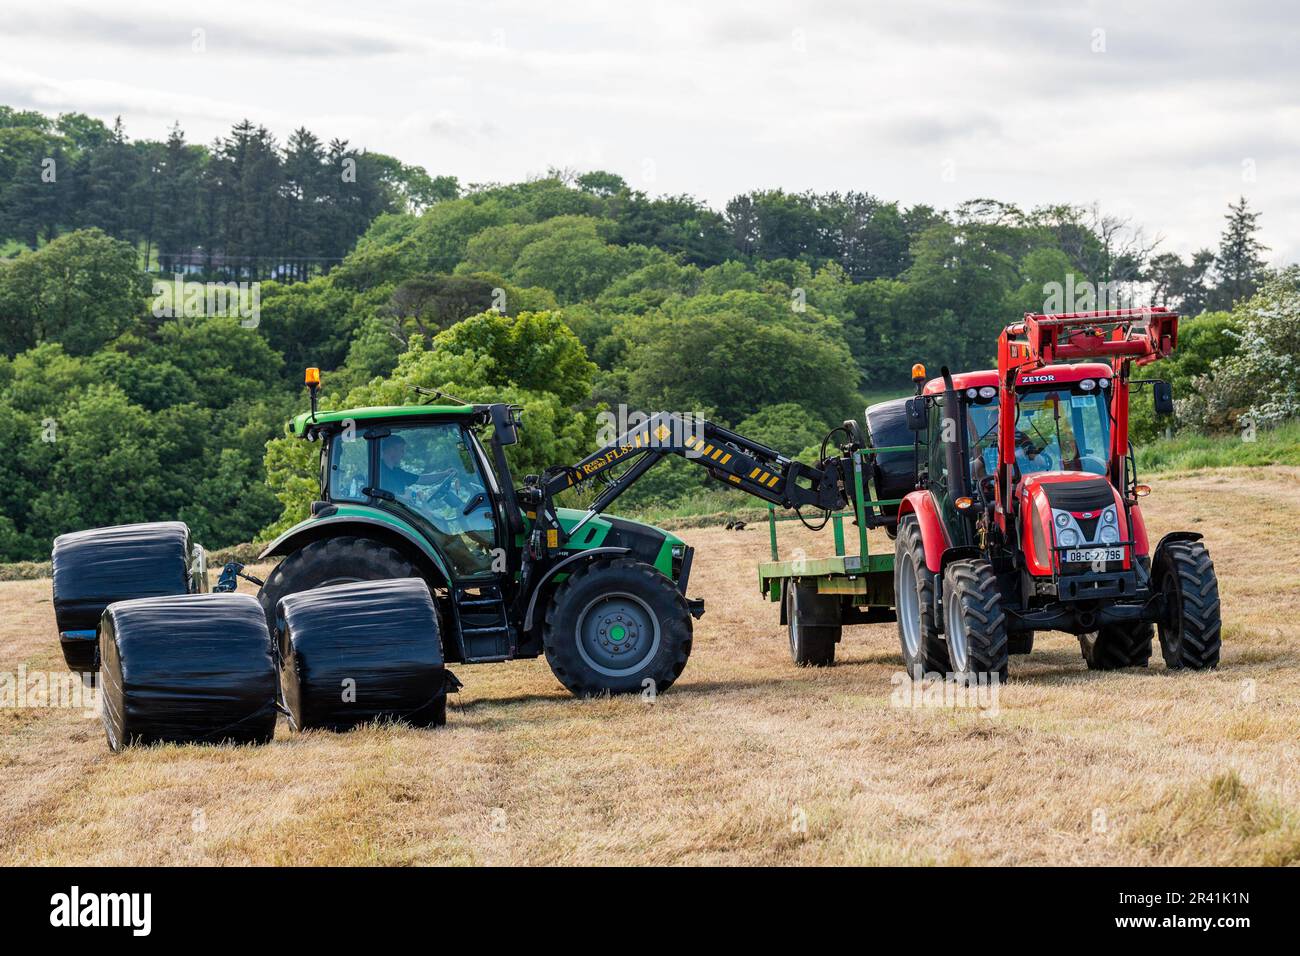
(747, 759)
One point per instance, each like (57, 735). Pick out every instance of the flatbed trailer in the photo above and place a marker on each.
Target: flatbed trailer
(819, 595)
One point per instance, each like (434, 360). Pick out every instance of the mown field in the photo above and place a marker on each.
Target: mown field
(747, 759)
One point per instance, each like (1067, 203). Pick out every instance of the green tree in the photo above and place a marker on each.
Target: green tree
(1240, 262)
(81, 290)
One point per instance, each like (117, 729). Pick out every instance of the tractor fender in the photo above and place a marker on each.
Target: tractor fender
(559, 567)
(396, 535)
(933, 536)
(1173, 536)
(960, 553)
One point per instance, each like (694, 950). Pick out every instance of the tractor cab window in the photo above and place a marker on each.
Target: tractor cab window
(1063, 429)
(349, 467)
(432, 471)
(982, 427)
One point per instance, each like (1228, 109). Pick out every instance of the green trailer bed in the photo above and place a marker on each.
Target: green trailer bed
(863, 581)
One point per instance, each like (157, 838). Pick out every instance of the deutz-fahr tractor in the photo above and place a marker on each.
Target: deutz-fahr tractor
(1027, 516)
(422, 493)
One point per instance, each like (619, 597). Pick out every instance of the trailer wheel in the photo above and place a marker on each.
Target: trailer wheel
(617, 627)
(812, 641)
(1116, 646)
(1191, 635)
(924, 651)
(342, 560)
(974, 622)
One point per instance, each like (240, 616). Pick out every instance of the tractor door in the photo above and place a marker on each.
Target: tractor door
(437, 481)
(940, 484)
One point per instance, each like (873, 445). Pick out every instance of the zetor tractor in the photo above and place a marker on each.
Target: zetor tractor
(1027, 518)
(420, 551)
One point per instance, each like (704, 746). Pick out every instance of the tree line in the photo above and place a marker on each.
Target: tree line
(570, 293)
(246, 202)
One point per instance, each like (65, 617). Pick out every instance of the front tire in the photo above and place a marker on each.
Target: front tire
(1191, 635)
(617, 627)
(924, 651)
(974, 622)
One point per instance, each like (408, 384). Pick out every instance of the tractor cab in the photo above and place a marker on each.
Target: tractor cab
(417, 467)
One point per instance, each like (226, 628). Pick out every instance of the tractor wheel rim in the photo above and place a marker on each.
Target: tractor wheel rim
(617, 633)
(909, 607)
(958, 645)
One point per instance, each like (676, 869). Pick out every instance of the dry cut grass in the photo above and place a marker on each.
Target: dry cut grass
(747, 759)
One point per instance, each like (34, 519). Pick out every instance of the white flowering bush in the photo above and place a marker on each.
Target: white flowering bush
(1260, 382)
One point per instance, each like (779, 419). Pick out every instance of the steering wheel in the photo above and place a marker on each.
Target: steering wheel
(438, 491)
(1092, 464)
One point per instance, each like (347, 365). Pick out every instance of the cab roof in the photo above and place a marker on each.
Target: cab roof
(298, 424)
(1064, 373)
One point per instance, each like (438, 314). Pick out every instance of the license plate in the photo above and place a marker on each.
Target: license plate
(1091, 555)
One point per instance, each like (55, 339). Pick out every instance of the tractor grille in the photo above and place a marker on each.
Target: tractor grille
(1085, 494)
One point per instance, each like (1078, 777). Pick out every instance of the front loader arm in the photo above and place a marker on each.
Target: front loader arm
(732, 459)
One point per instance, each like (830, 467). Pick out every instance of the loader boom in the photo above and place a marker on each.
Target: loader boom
(1122, 336)
(732, 459)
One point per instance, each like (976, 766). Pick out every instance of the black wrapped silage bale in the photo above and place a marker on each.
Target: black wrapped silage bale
(195, 668)
(352, 653)
(94, 568)
(893, 472)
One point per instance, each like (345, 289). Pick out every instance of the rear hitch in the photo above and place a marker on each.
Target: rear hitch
(228, 581)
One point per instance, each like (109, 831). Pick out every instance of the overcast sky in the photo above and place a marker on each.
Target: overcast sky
(1162, 111)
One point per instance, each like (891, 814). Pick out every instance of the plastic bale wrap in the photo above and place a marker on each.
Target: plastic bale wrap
(893, 472)
(196, 668)
(353, 653)
(94, 568)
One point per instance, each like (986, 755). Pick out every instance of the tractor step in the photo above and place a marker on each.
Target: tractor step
(483, 624)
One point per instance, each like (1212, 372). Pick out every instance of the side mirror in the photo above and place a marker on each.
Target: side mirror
(916, 417)
(1162, 396)
(505, 424)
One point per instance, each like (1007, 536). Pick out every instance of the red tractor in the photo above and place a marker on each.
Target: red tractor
(1026, 516)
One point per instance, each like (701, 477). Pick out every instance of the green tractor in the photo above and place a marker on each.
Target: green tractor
(413, 491)
(414, 494)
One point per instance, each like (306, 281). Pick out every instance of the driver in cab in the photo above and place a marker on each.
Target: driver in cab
(393, 477)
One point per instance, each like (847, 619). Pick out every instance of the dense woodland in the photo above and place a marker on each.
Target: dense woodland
(571, 293)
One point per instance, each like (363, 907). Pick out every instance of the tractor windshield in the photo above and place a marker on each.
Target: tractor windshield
(1063, 429)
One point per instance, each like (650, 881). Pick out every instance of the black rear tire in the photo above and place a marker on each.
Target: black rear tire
(1116, 646)
(812, 641)
(1191, 637)
(974, 622)
(341, 560)
(924, 652)
(617, 627)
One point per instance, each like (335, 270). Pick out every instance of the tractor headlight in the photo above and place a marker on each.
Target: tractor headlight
(988, 391)
(1103, 383)
(1062, 519)
(1108, 516)
(1088, 384)
(1109, 534)
(1068, 538)
(972, 393)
